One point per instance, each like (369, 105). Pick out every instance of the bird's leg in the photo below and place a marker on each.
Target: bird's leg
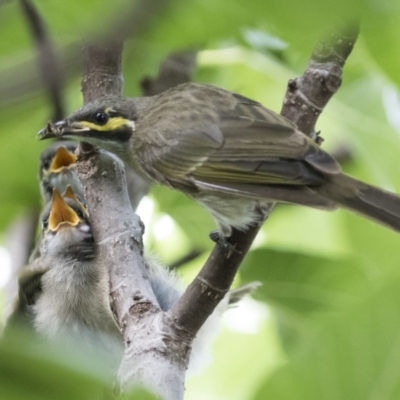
(317, 138)
(217, 237)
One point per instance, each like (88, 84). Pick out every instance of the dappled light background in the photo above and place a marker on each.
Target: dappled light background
(325, 322)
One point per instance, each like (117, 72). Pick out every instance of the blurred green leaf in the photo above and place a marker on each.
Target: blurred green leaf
(25, 374)
(303, 283)
(30, 370)
(353, 357)
(304, 289)
(379, 27)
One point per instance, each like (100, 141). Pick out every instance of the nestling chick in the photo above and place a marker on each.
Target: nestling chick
(65, 291)
(57, 170)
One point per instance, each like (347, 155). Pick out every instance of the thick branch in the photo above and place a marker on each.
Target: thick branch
(316, 86)
(118, 234)
(148, 359)
(119, 239)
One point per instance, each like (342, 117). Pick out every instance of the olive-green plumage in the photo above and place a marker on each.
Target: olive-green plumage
(226, 151)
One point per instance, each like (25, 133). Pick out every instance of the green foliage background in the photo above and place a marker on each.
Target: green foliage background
(331, 281)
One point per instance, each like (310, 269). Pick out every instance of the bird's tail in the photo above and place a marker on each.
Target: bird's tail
(377, 204)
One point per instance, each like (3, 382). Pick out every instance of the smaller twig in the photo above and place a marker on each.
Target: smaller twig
(177, 68)
(19, 241)
(307, 95)
(211, 284)
(193, 254)
(48, 65)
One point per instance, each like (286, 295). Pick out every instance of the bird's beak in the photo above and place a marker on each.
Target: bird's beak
(71, 195)
(61, 129)
(63, 158)
(61, 214)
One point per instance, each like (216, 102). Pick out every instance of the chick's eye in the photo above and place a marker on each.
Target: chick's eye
(46, 164)
(45, 223)
(79, 213)
(101, 118)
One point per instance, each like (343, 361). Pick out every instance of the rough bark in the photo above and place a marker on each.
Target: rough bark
(118, 232)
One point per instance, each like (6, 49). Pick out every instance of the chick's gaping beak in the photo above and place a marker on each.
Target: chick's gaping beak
(71, 195)
(63, 158)
(61, 129)
(61, 214)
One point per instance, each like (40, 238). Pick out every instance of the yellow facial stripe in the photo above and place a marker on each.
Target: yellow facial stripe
(113, 124)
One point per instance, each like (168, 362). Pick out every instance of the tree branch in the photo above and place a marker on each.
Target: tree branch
(102, 71)
(48, 65)
(152, 357)
(177, 68)
(19, 241)
(118, 233)
(316, 86)
(307, 95)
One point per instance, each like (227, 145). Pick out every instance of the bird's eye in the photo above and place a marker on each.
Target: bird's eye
(45, 223)
(101, 118)
(79, 213)
(46, 164)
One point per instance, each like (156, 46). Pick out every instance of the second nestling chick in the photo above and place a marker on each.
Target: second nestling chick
(74, 299)
(57, 170)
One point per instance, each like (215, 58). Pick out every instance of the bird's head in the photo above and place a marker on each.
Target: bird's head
(65, 227)
(57, 158)
(107, 122)
(58, 169)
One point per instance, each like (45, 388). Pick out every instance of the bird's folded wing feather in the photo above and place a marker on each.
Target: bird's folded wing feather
(247, 144)
(30, 282)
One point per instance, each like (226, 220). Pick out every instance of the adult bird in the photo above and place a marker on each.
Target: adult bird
(226, 151)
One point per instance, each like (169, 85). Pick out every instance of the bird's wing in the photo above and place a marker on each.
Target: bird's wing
(244, 144)
(262, 147)
(30, 282)
(30, 286)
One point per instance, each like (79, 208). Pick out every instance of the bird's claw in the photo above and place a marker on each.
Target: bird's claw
(221, 240)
